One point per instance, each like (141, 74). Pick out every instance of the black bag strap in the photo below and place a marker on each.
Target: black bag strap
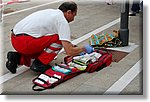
(34, 87)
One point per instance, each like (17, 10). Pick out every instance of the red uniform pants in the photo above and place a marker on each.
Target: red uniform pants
(44, 48)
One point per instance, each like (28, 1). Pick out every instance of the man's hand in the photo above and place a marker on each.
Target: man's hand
(72, 50)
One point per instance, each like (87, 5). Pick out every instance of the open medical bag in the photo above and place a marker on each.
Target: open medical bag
(99, 60)
(71, 68)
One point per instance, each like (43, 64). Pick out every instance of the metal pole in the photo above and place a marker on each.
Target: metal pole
(124, 31)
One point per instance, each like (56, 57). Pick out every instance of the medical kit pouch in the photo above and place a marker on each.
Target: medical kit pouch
(54, 76)
(90, 62)
(100, 63)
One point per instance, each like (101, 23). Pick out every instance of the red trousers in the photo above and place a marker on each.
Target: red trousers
(44, 48)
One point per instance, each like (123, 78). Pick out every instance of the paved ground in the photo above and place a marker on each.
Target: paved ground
(124, 77)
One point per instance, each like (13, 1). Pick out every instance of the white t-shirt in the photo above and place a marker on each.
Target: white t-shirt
(44, 23)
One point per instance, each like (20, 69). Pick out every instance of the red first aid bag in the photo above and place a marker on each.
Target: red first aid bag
(61, 72)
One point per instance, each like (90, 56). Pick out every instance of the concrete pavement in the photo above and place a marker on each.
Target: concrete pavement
(91, 16)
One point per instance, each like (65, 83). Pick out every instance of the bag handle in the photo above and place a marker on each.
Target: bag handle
(34, 87)
(40, 87)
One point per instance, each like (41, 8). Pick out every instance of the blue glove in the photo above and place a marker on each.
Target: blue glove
(82, 53)
(89, 49)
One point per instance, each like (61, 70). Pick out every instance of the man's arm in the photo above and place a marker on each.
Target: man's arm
(70, 49)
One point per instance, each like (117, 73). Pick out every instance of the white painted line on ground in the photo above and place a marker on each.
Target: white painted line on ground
(31, 8)
(119, 85)
(9, 75)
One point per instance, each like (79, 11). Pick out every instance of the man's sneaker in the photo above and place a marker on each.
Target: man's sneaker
(38, 66)
(13, 59)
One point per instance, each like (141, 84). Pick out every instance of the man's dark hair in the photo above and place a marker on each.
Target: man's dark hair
(68, 6)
